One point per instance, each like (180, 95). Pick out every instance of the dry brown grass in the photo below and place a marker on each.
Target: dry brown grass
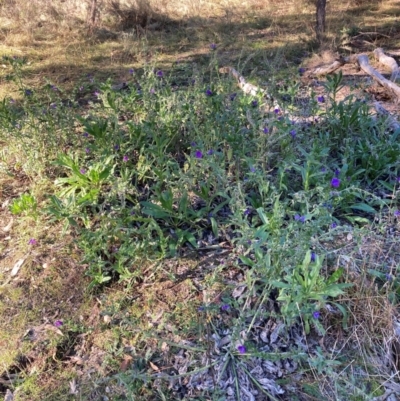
(56, 41)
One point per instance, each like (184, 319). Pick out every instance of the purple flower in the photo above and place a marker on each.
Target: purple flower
(209, 92)
(321, 99)
(198, 154)
(53, 105)
(337, 172)
(193, 144)
(125, 158)
(12, 101)
(316, 315)
(333, 225)
(32, 241)
(247, 212)
(232, 96)
(293, 133)
(388, 277)
(213, 46)
(302, 219)
(54, 88)
(225, 307)
(201, 308)
(131, 71)
(397, 213)
(82, 171)
(265, 130)
(313, 256)
(87, 150)
(254, 103)
(159, 73)
(323, 169)
(301, 70)
(116, 147)
(241, 349)
(28, 92)
(152, 91)
(335, 182)
(80, 88)
(277, 111)
(58, 323)
(96, 93)
(210, 152)
(85, 134)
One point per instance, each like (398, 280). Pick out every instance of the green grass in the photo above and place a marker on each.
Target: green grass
(177, 229)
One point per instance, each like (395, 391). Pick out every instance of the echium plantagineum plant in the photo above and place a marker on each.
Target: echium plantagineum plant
(304, 290)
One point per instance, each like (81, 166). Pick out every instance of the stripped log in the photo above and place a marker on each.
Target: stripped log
(364, 64)
(389, 62)
(363, 61)
(253, 90)
(246, 87)
(328, 69)
(325, 69)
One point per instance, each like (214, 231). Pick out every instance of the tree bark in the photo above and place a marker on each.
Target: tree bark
(91, 20)
(320, 15)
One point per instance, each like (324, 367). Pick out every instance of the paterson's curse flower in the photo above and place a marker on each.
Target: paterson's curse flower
(335, 182)
(198, 154)
(241, 349)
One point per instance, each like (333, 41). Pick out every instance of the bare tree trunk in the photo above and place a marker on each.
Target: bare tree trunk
(321, 13)
(91, 20)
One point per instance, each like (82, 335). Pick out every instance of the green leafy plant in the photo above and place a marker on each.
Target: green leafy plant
(26, 204)
(305, 290)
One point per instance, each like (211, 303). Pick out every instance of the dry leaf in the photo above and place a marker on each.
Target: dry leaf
(238, 291)
(125, 363)
(72, 387)
(154, 367)
(7, 228)
(16, 267)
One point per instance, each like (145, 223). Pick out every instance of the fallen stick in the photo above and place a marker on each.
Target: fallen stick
(389, 62)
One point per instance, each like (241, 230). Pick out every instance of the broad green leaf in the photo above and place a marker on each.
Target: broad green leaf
(363, 207)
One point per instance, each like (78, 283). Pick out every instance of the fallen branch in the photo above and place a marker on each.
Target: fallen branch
(246, 87)
(253, 90)
(328, 69)
(389, 62)
(364, 64)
